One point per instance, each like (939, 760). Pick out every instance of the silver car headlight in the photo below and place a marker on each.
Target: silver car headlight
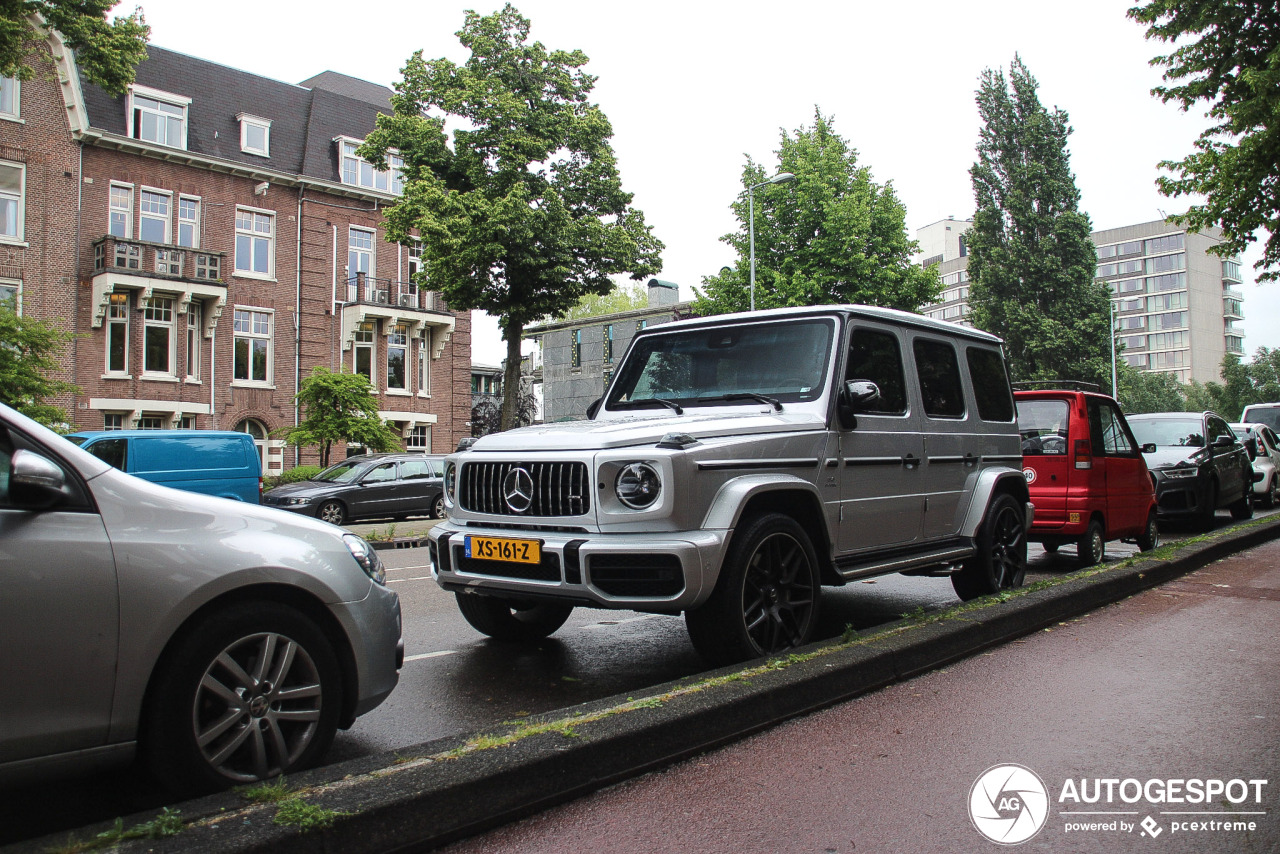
(367, 557)
(638, 485)
(450, 483)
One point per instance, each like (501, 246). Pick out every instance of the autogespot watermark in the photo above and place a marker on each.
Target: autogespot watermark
(1010, 804)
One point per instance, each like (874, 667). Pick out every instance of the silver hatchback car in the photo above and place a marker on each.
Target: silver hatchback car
(222, 642)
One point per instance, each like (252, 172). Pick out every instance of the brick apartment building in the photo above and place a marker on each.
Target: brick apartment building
(213, 237)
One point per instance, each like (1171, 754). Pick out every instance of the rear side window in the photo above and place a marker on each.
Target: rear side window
(876, 357)
(1043, 425)
(113, 452)
(939, 372)
(990, 384)
(415, 469)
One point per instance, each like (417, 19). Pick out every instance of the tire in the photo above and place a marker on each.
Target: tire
(767, 597)
(332, 512)
(210, 724)
(1243, 508)
(437, 507)
(511, 619)
(1000, 562)
(1149, 539)
(1270, 496)
(1092, 547)
(1210, 507)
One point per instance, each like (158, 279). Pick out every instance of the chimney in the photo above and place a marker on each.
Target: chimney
(663, 293)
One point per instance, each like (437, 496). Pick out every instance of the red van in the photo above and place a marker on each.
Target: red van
(1085, 471)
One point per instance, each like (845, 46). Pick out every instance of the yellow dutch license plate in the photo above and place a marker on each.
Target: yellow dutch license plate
(502, 548)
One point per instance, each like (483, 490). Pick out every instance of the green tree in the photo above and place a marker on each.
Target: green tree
(523, 214)
(1227, 55)
(621, 298)
(1031, 262)
(29, 351)
(107, 53)
(1264, 376)
(339, 407)
(1149, 391)
(833, 235)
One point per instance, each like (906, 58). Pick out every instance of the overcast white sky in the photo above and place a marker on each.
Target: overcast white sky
(693, 86)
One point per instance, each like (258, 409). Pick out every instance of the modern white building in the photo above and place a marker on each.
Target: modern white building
(1176, 305)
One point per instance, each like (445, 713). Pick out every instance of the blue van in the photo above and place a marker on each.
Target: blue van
(214, 462)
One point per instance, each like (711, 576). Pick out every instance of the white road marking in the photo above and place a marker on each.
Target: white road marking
(423, 655)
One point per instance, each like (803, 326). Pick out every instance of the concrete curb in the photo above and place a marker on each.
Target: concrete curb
(457, 787)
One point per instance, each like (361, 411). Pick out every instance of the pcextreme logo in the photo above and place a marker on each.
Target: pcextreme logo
(1009, 804)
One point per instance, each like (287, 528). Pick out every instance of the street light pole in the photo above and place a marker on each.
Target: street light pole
(1115, 388)
(780, 178)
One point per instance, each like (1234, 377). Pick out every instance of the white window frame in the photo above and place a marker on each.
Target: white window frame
(14, 87)
(424, 363)
(247, 121)
(19, 201)
(113, 420)
(181, 102)
(117, 318)
(192, 223)
(145, 215)
(370, 252)
(365, 339)
(398, 340)
(253, 234)
(355, 171)
(150, 321)
(252, 316)
(12, 288)
(126, 212)
(195, 322)
(419, 439)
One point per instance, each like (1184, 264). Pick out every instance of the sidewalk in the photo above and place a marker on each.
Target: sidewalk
(1079, 713)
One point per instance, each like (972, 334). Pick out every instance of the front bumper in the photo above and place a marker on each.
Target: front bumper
(373, 627)
(1179, 497)
(662, 572)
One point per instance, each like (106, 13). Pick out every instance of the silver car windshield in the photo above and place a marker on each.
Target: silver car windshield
(784, 361)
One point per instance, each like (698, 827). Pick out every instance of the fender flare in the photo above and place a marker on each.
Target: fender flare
(990, 482)
(725, 510)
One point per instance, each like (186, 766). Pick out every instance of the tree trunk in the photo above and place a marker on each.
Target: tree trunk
(512, 333)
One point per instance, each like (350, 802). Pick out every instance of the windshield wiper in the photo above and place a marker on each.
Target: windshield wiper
(746, 395)
(635, 404)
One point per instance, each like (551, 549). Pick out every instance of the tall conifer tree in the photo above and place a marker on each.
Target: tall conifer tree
(1031, 262)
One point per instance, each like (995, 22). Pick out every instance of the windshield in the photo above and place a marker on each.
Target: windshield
(344, 472)
(75, 440)
(1182, 432)
(783, 361)
(1043, 425)
(1264, 413)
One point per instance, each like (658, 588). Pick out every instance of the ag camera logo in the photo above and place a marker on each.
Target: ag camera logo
(1008, 804)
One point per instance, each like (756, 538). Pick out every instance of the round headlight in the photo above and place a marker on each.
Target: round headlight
(638, 485)
(450, 482)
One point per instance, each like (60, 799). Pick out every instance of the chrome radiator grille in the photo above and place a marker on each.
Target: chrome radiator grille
(558, 488)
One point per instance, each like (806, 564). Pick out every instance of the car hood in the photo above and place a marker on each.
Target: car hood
(644, 430)
(305, 489)
(1169, 455)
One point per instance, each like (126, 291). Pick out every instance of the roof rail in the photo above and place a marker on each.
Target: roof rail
(1071, 385)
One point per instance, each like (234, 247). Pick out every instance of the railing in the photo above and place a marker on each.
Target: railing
(160, 260)
(366, 289)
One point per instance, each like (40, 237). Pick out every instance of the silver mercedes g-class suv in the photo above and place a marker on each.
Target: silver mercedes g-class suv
(734, 466)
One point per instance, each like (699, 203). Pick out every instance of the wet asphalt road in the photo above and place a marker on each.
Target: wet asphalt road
(1175, 684)
(456, 681)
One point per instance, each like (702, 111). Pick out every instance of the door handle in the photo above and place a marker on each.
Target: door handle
(909, 461)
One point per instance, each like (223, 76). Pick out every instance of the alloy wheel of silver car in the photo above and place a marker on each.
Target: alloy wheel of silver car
(258, 707)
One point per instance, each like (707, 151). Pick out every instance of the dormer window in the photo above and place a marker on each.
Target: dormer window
(255, 135)
(358, 172)
(158, 117)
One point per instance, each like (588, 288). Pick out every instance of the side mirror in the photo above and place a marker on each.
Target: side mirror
(1149, 448)
(594, 406)
(1251, 445)
(1224, 441)
(853, 398)
(35, 483)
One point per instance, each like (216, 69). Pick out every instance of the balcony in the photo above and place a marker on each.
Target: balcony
(158, 260)
(396, 304)
(120, 264)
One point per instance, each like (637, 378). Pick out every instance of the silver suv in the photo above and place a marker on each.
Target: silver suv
(735, 465)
